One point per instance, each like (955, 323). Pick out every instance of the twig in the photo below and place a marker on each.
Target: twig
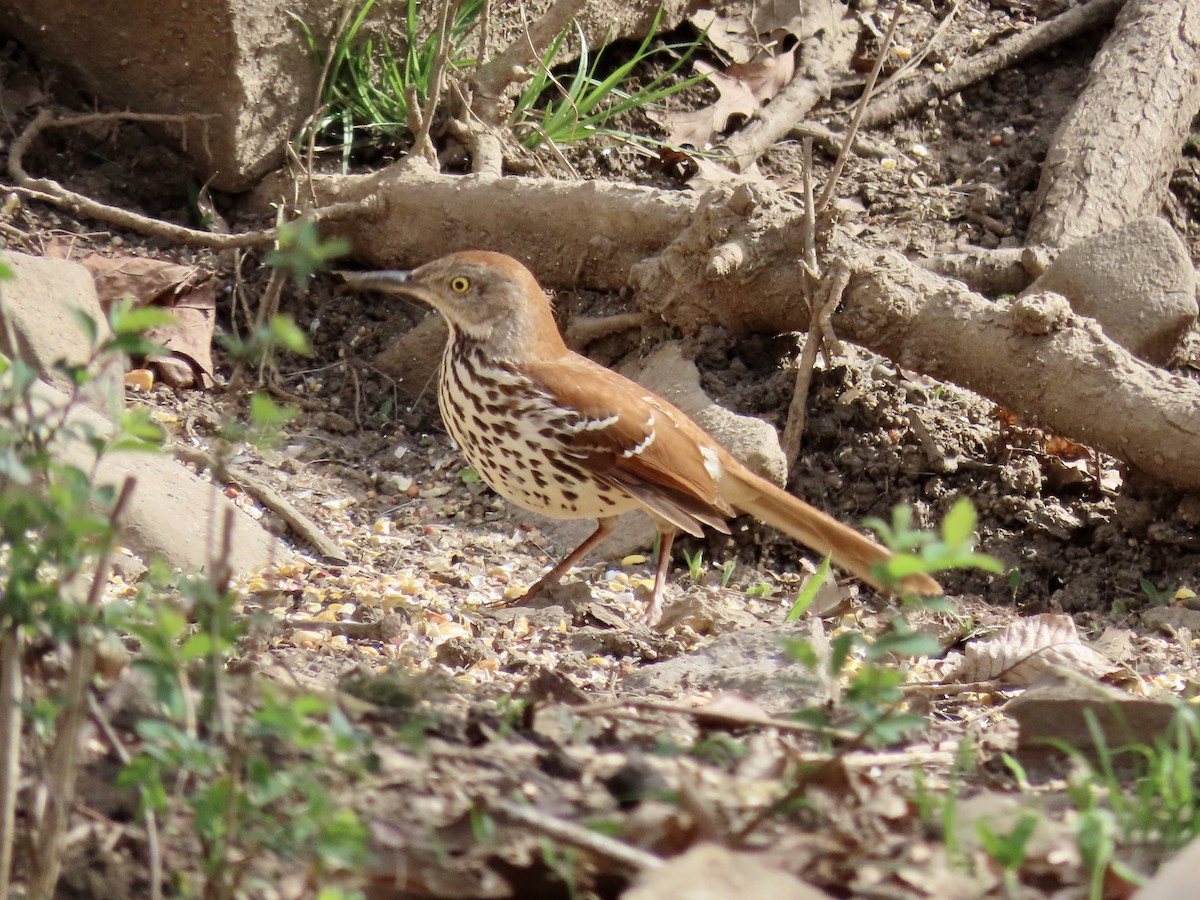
(421, 142)
(575, 835)
(819, 334)
(153, 844)
(305, 528)
(11, 694)
(859, 112)
(989, 62)
(62, 768)
(807, 88)
(49, 191)
(625, 709)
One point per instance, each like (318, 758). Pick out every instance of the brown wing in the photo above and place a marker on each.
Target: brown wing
(637, 442)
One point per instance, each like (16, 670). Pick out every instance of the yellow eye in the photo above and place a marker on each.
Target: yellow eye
(460, 285)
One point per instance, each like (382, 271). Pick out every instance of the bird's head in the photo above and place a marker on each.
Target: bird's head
(485, 297)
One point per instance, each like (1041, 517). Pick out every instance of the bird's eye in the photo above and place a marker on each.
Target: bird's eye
(459, 285)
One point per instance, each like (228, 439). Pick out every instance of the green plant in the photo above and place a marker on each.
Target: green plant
(916, 550)
(761, 589)
(809, 592)
(1008, 850)
(583, 106)
(57, 531)
(1140, 801)
(1154, 595)
(368, 85)
(727, 568)
(246, 779)
(695, 565)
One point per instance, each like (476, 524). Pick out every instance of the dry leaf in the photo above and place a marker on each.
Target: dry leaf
(1018, 655)
(190, 293)
(743, 28)
(743, 89)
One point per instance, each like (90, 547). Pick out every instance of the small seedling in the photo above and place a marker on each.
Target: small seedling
(695, 565)
(1008, 850)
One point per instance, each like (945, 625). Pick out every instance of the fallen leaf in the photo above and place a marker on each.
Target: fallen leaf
(742, 28)
(190, 293)
(743, 88)
(1016, 656)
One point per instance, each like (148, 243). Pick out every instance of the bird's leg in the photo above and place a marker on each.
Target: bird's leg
(666, 537)
(604, 528)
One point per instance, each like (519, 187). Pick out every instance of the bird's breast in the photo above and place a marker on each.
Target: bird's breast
(518, 439)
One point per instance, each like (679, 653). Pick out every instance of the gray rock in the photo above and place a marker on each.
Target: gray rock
(173, 514)
(750, 662)
(41, 302)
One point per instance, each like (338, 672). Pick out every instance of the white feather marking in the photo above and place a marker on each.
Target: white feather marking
(598, 424)
(712, 463)
(642, 446)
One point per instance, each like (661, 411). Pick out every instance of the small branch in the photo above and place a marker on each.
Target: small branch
(153, 844)
(306, 529)
(989, 62)
(11, 694)
(819, 333)
(859, 112)
(62, 767)
(49, 191)
(575, 835)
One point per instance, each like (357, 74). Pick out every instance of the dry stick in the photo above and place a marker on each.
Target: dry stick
(421, 141)
(626, 709)
(50, 191)
(11, 695)
(859, 112)
(335, 38)
(153, 844)
(807, 88)
(1004, 54)
(911, 64)
(575, 835)
(305, 528)
(827, 301)
(63, 763)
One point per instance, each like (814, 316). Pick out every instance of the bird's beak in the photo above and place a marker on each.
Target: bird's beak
(389, 282)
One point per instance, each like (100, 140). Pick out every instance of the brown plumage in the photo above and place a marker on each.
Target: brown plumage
(558, 434)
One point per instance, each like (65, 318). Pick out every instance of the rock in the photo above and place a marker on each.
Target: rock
(710, 872)
(244, 66)
(1136, 281)
(41, 302)
(173, 514)
(750, 662)
(413, 358)
(751, 440)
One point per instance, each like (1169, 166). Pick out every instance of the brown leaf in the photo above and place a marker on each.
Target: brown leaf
(744, 27)
(743, 89)
(1018, 655)
(190, 293)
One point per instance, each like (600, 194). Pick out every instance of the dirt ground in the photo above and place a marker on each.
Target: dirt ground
(430, 551)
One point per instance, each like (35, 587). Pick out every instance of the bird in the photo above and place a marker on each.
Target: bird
(559, 434)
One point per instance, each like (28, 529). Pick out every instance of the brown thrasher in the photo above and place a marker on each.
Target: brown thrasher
(560, 435)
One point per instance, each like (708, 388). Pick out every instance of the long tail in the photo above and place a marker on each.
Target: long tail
(852, 551)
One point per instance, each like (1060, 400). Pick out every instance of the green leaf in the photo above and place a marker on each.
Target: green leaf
(809, 593)
(288, 334)
(137, 423)
(90, 328)
(136, 321)
(959, 525)
(266, 413)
